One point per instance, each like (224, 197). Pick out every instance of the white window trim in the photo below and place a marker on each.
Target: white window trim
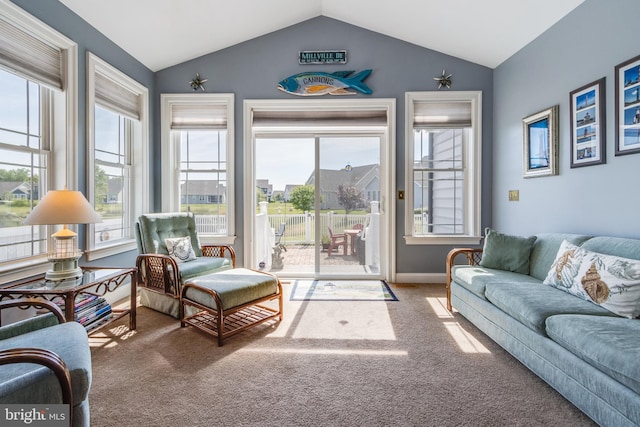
(473, 171)
(139, 152)
(387, 205)
(64, 158)
(170, 156)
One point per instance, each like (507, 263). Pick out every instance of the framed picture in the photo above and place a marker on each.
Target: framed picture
(588, 133)
(540, 143)
(628, 107)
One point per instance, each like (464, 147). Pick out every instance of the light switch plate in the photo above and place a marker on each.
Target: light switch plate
(514, 195)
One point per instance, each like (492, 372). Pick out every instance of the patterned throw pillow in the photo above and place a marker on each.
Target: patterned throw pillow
(609, 281)
(180, 249)
(565, 267)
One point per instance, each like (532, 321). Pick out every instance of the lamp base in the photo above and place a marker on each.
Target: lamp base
(63, 269)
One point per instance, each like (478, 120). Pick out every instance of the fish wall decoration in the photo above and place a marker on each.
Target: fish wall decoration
(318, 83)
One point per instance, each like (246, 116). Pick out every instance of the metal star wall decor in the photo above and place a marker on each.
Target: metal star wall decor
(444, 80)
(197, 82)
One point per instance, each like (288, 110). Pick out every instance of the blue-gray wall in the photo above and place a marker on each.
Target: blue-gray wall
(252, 69)
(581, 48)
(59, 17)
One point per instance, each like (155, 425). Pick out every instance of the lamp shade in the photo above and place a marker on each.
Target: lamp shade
(63, 207)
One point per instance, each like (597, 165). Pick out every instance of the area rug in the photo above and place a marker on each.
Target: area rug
(341, 290)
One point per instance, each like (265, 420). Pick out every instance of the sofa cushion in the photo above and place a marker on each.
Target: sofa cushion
(610, 281)
(609, 343)
(203, 265)
(532, 304)
(506, 252)
(616, 246)
(545, 249)
(24, 382)
(475, 279)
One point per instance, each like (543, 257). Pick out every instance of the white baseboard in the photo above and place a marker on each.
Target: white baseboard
(421, 278)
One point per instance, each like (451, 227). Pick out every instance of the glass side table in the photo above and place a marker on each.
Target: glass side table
(96, 281)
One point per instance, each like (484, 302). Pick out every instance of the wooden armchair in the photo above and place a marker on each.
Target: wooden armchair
(29, 346)
(337, 240)
(160, 276)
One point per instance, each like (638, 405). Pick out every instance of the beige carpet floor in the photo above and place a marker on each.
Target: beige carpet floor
(363, 363)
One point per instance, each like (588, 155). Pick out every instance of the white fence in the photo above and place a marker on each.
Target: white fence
(299, 228)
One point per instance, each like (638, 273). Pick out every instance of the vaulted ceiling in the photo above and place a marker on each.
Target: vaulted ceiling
(162, 33)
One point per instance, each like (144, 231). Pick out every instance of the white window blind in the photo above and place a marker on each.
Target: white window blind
(30, 57)
(319, 118)
(117, 98)
(441, 115)
(198, 116)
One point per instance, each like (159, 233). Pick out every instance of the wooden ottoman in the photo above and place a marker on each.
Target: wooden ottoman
(228, 302)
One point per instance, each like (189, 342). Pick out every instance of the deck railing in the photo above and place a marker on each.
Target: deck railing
(299, 228)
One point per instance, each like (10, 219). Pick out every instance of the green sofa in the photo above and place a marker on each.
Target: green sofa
(44, 360)
(523, 300)
(160, 276)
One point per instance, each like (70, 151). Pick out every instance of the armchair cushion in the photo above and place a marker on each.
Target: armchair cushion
(24, 382)
(156, 228)
(28, 325)
(203, 265)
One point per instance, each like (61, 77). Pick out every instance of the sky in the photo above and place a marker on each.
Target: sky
(291, 161)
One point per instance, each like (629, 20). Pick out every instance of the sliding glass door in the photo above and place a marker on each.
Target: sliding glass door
(317, 205)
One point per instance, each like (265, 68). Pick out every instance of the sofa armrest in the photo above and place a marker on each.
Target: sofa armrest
(473, 258)
(222, 251)
(55, 316)
(48, 358)
(159, 273)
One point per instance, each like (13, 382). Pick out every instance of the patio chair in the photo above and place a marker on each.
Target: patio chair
(337, 240)
(160, 275)
(279, 235)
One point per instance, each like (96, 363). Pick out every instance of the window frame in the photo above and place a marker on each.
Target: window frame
(472, 169)
(138, 136)
(62, 132)
(171, 157)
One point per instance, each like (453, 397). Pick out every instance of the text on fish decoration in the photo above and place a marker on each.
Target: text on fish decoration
(320, 83)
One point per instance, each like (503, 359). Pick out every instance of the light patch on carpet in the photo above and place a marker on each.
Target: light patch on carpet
(466, 342)
(341, 290)
(339, 320)
(326, 351)
(439, 307)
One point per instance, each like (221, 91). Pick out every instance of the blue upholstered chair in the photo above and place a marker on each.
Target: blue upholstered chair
(45, 360)
(160, 276)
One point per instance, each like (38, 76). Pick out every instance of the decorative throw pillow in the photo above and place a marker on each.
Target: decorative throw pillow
(180, 249)
(565, 267)
(506, 252)
(609, 281)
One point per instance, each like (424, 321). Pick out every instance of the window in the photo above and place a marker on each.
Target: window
(117, 117)
(38, 86)
(443, 167)
(197, 155)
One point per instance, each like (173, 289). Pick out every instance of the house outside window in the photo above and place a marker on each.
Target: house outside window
(38, 87)
(443, 200)
(197, 153)
(117, 116)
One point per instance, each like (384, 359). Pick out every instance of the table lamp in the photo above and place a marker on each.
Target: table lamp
(63, 207)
